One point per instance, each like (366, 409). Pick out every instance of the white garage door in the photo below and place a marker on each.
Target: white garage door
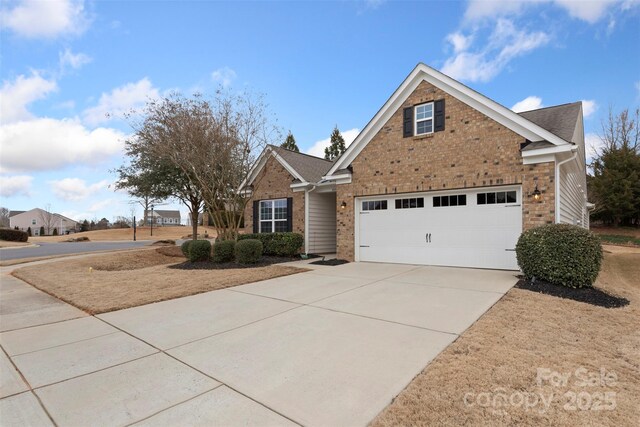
(476, 228)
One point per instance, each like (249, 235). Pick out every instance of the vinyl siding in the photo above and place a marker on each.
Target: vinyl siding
(322, 223)
(573, 184)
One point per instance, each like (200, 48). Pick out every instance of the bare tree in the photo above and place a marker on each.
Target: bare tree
(47, 218)
(4, 217)
(214, 144)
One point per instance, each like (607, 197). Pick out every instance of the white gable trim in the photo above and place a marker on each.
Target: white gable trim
(262, 160)
(421, 73)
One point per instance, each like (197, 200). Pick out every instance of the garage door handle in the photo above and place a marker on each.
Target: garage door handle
(363, 246)
(510, 250)
(511, 206)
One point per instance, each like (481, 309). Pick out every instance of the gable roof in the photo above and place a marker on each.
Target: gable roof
(309, 167)
(501, 114)
(305, 168)
(14, 213)
(167, 213)
(560, 119)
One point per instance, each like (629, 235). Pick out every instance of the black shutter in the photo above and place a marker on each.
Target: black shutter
(438, 115)
(289, 214)
(256, 216)
(407, 120)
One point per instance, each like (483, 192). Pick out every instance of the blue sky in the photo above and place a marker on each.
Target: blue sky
(70, 68)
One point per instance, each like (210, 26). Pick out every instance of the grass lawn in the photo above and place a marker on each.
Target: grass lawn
(502, 352)
(627, 236)
(10, 244)
(108, 282)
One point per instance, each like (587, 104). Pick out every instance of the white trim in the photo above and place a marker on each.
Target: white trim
(422, 72)
(557, 180)
(415, 119)
(262, 160)
(339, 179)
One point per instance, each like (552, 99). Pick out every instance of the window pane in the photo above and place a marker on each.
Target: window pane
(265, 209)
(501, 197)
(436, 202)
(425, 126)
(412, 203)
(462, 200)
(383, 205)
(491, 198)
(405, 203)
(482, 198)
(453, 200)
(377, 205)
(266, 227)
(511, 197)
(444, 200)
(280, 209)
(398, 203)
(365, 206)
(421, 202)
(280, 226)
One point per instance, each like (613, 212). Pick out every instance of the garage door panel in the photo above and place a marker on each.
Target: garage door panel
(467, 236)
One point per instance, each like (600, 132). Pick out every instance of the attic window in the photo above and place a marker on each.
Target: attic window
(423, 119)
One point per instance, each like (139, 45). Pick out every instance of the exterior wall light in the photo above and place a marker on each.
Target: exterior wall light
(536, 194)
(343, 205)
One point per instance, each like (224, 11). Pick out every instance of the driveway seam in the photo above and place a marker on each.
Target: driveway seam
(204, 373)
(30, 390)
(450, 287)
(65, 344)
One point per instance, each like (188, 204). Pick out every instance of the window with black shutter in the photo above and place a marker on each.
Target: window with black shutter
(438, 115)
(407, 122)
(273, 216)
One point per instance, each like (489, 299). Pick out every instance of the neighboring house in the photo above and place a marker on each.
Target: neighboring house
(36, 218)
(441, 175)
(164, 217)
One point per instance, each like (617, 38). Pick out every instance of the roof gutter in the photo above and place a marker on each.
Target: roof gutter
(574, 150)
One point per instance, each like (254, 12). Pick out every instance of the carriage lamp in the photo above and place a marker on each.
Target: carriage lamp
(343, 205)
(536, 193)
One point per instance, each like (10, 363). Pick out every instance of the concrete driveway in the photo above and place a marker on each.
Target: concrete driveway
(328, 347)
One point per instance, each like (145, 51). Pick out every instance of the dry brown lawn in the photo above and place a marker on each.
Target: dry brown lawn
(501, 353)
(108, 282)
(9, 244)
(142, 233)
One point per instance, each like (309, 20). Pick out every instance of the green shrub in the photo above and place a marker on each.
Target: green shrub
(29, 231)
(277, 244)
(185, 248)
(248, 251)
(561, 254)
(42, 233)
(13, 235)
(199, 250)
(55, 231)
(224, 251)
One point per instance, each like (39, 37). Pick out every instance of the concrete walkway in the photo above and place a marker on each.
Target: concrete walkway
(328, 347)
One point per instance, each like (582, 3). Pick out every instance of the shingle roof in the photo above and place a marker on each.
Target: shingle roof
(311, 168)
(167, 213)
(559, 120)
(14, 213)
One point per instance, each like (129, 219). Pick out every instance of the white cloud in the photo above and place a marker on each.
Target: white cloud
(317, 149)
(16, 185)
(590, 11)
(45, 18)
(225, 76)
(505, 43)
(120, 100)
(101, 205)
(76, 189)
(589, 107)
(527, 104)
(68, 59)
(459, 41)
(592, 143)
(15, 96)
(49, 144)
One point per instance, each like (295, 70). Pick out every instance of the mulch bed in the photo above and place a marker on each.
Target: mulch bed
(331, 262)
(589, 295)
(210, 265)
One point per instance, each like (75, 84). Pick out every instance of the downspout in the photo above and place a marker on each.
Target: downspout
(574, 150)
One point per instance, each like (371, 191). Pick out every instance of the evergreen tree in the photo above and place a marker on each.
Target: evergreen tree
(290, 143)
(55, 231)
(42, 233)
(29, 231)
(337, 147)
(84, 226)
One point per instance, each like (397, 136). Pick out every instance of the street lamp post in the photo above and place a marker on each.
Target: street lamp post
(151, 220)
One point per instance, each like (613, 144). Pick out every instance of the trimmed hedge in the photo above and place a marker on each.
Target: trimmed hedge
(185, 248)
(277, 244)
(224, 251)
(248, 251)
(561, 254)
(199, 250)
(13, 235)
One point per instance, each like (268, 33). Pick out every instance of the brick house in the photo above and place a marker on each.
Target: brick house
(442, 175)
